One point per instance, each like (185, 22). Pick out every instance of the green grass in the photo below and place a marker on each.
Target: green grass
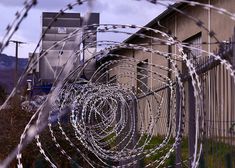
(154, 142)
(216, 154)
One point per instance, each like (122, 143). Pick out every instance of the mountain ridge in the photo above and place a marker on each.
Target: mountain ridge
(8, 62)
(7, 70)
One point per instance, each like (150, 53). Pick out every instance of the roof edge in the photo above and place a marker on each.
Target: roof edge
(153, 21)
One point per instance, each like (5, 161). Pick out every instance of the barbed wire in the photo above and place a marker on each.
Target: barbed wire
(106, 116)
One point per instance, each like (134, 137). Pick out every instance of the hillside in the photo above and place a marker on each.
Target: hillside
(7, 70)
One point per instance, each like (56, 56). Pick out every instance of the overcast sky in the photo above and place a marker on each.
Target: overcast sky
(111, 11)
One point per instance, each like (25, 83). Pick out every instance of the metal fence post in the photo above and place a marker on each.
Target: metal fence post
(191, 122)
(233, 49)
(135, 137)
(178, 146)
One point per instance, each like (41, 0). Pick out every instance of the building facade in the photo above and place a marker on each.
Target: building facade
(201, 30)
(61, 38)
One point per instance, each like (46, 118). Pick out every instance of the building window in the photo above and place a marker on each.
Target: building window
(142, 76)
(194, 53)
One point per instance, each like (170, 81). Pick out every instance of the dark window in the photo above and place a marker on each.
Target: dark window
(142, 76)
(194, 53)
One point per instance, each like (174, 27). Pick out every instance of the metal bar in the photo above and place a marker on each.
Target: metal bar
(135, 117)
(191, 122)
(169, 90)
(178, 146)
(233, 51)
(152, 92)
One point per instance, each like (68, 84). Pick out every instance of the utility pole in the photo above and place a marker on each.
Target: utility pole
(17, 43)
